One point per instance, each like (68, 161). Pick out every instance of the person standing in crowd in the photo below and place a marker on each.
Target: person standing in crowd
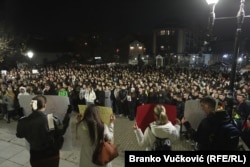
(180, 106)
(90, 131)
(245, 135)
(108, 101)
(62, 91)
(100, 96)
(161, 128)
(131, 99)
(123, 101)
(22, 91)
(161, 95)
(49, 90)
(82, 92)
(141, 97)
(8, 100)
(152, 96)
(90, 95)
(35, 128)
(211, 134)
(115, 99)
(242, 108)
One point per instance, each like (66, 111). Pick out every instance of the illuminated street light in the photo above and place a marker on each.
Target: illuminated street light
(30, 54)
(225, 55)
(209, 2)
(240, 20)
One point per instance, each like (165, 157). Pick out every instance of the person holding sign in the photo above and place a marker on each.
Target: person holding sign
(44, 133)
(91, 130)
(161, 128)
(216, 131)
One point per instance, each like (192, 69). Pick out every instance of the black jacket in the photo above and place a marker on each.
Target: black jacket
(211, 134)
(34, 128)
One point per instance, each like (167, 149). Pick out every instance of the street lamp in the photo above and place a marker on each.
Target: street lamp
(240, 20)
(211, 19)
(30, 54)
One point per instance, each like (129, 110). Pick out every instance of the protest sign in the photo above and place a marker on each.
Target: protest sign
(105, 112)
(193, 113)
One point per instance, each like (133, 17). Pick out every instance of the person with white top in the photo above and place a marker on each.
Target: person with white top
(90, 95)
(161, 128)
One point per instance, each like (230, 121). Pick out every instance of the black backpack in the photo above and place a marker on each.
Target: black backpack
(55, 135)
(161, 144)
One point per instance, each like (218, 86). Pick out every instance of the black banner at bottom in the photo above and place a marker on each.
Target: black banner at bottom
(174, 158)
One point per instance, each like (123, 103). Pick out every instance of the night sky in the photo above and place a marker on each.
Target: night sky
(61, 18)
(120, 16)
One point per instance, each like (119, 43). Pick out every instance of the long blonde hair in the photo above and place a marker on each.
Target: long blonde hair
(160, 113)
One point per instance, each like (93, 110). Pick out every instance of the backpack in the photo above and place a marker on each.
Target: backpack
(56, 138)
(226, 137)
(161, 144)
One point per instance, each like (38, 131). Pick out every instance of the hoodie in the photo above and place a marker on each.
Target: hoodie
(147, 138)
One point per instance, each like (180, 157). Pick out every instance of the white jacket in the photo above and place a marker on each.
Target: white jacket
(162, 131)
(90, 96)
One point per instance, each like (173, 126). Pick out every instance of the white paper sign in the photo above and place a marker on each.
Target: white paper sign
(193, 113)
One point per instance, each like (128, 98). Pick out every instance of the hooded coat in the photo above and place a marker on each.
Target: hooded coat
(148, 138)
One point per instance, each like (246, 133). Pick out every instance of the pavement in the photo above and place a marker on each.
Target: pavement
(14, 153)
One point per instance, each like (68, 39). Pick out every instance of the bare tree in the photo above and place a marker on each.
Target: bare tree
(10, 45)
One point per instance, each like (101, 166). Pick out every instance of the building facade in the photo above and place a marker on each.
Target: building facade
(176, 43)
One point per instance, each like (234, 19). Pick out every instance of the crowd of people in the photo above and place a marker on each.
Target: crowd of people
(124, 88)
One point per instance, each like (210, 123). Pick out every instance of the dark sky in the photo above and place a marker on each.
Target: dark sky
(67, 17)
(64, 17)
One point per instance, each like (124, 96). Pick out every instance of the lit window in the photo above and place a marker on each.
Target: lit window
(131, 47)
(140, 47)
(168, 32)
(162, 32)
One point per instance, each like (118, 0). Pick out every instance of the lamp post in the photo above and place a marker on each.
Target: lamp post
(211, 19)
(240, 20)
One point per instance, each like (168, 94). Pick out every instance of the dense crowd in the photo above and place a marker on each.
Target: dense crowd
(124, 87)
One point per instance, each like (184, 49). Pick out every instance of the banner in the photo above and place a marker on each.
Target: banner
(193, 113)
(105, 112)
(57, 105)
(145, 115)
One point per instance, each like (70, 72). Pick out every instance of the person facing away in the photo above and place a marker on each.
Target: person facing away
(214, 130)
(89, 131)
(161, 128)
(36, 130)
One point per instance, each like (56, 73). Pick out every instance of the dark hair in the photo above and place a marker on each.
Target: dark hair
(94, 122)
(210, 101)
(41, 101)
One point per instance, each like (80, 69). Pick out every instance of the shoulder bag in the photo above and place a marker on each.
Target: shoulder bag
(105, 152)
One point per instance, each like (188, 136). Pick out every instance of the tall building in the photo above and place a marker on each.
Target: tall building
(176, 43)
